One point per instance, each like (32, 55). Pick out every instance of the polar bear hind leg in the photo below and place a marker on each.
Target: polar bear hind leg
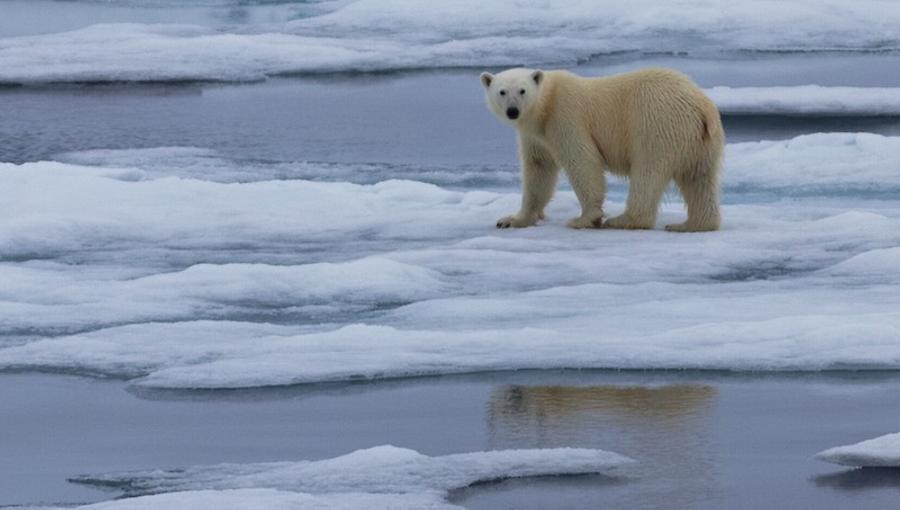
(699, 185)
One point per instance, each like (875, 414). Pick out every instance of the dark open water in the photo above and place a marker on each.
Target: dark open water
(703, 440)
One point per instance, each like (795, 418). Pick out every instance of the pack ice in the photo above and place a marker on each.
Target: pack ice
(883, 451)
(382, 477)
(382, 35)
(153, 274)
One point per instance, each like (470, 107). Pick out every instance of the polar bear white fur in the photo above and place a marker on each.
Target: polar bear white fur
(651, 126)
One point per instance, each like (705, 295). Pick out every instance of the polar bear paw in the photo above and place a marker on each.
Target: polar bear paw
(586, 222)
(626, 222)
(689, 227)
(515, 221)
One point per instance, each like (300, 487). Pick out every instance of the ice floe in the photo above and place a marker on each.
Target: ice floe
(181, 282)
(270, 499)
(883, 451)
(208, 165)
(379, 477)
(807, 100)
(379, 35)
(822, 163)
(58, 211)
(192, 355)
(57, 300)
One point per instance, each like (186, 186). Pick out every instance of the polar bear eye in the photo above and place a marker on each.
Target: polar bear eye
(502, 92)
(522, 92)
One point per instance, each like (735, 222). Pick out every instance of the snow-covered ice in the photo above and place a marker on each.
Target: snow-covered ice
(270, 499)
(208, 290)
(807, 100)
(382, 469)
(176, 281)
(205, 164)
(379, 477)
(823, 164)
(188, 355)
(379, 35)
(883, 451)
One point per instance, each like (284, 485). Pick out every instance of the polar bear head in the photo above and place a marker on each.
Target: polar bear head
(512, 94)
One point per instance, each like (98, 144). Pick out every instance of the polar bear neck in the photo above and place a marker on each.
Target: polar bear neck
(535, 121)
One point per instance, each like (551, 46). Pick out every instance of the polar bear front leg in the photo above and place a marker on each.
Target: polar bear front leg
(585, 172)
(539, 176)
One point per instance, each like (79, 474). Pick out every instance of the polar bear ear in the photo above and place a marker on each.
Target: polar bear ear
(486, 79)
(537, 76)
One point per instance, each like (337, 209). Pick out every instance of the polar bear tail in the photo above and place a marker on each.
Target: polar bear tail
(712, 125)
(702, 193)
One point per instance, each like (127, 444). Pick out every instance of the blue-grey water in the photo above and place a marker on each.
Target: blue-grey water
(702, 440)
(429, 119)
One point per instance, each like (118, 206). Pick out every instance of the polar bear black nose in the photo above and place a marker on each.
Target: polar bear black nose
(512, 113)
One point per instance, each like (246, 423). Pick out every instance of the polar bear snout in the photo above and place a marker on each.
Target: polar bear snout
(512, 112)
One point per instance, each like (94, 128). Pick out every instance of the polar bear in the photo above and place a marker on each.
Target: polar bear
(651, 126)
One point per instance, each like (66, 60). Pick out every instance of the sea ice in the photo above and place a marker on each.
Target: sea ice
(825, 164)
(270, 499)
(883, 451)
(380, 35)
(183, 282)
(807, 100)
(379, 477)
(50, 299)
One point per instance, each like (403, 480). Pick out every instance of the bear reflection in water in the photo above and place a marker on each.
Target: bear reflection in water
(669, 429)
(633, 420)
(663, 402)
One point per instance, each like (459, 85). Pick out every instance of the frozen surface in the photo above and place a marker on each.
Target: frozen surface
(807, 100)
(390, 477)
(823, 164)
(177, 281)
(212, 290)
(882, 451)
(206, 164)
(32, 17)
(269, 499)
(379, 35)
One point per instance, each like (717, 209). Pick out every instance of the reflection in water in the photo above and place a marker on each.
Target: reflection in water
(672, 401)
(860, 478)
(666, 429)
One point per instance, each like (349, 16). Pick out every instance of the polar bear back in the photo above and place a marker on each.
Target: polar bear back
(652, 114)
